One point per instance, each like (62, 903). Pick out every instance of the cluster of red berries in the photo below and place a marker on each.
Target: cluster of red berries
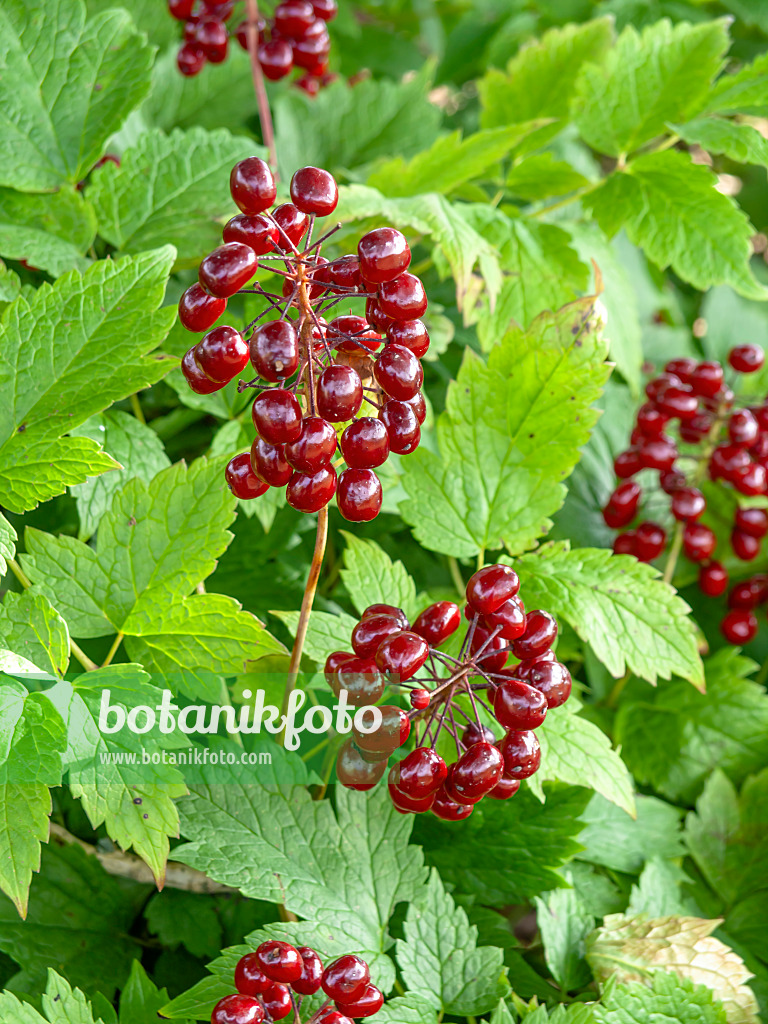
(334, 366)
(715, 439)
(269, 981)
(296, 36)
(387, 650)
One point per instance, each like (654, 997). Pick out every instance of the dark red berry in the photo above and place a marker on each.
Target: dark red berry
(237, 1009)
(392, 733)
(750, 593)
(315, 446)
(707, 379)
(314, 190)
(274, 350)
(490, 587)
(437, 622)
(750, 480)
(254, 230)
(355, 772)
(698, 542)
(695, 429)
(277, 1001)
(404, 298)
(252, 185)
(657, 385)
(190, 60)
(366, 1005)
(276, 59)
(384, 255)
(293, 17)
(250, 980)
(657, 453)
(621, 507)
(311, 492)
(326, 10)
(518, 706)
(713, 579)
(753, 521)
(739, 626)
(490, 652)
(376, 317)
(402, 655)
(402, 425)
(625, 543)
(292, 223)
(522, 754)
(682, 368)
(552, 678)
(476, 772)
(687, 503)
(540, 633)
(339, 393)
(746, 358)
(745, 546)
(279, 960)
(180, 9)
(420, 773)
(221, 354)
(313, 48)
(627, 463)
(269, 463)
(476, 733)
(361, 679)
(346, 979)
(510, 619)
(194, 376)
(650, 420)
(365, 443)
(678, 402)
(398, 372)
(410, 334)
(387, 609)
(527, 665)
(743, 428)
(505, 788)
(370, 631)
(420, 699)
(650, 539)
(241, 479)
(227, 269)
(198, 310)
(359, 495)
(311, 972)
(408, 805)
(450, 810)
(277, 416)
(213, 39)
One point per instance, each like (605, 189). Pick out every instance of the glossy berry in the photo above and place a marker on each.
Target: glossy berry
(650, 539)
(750, 593)
(354, 772)
(366, 1005)
(292, 224)
(420, 699)
(476, 772)
(540, 633)
(376, 317)
(551, 678)
(365, 443)
(279, 961)
(398, 372)
(227, 269)
(190, 60)
(713, 579)
(194, 376)
(437, 622)
(404, 298)
(213, 39)
(490, 587)
(505, 788)
(241, 479)
(510, 619)
(657, 453)
(687, 503)
(361, 679)
(450, 810)
(313, 48)
(707, 379)
(315, 446)
(522, 754)
(277, 416)
(255, 230)
(476, 733)
(745, 546)
(237, 1009)
(314, 190)
(359, 495)
(180, 9)
(276, 59)
(753, 521)
(250, 980)
(311, 975)
(371, 631)
(403, 428)
(198, 310)
(387, 609)
(292, 18)
(746, 358)
(624, 544)
(410, 334)
(277, 1001)
(402, 655)
(346, 979)
(384, 255)
(222, 354)
(518, 706)
(252, 185)
(310, 493)
(622, 505)
(392, 733)
(743, 428)
(698, 542)
(274, 350)
(269, 463)
(339, 393)
(420, 773)
(490, 652)
(739, 626)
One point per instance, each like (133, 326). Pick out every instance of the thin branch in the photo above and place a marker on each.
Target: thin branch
(262, 101)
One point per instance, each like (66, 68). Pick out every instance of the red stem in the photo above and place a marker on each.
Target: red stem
(262, 101)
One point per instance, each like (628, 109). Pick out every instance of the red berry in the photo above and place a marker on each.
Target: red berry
(313, 48)
(420, 773)
(252, 185)
(746, 358)
(311, 492)
(695, 429)
(398, 372)
(490, 587)
(274, 350)
(687, 503)
(750, 593)
(743, 428)
(657, 453)
(753, 521)
(476, 772)
(292, 223)
(698, 542)
(366, 1005)
(387, 609)
(361, 679)
(326, 10)
(682, 368)
(437, 622)
(227, 269)
(650, 420)
(739, 626)
(277, 416)
(213, 39)
(450, 810)
(551, 678)
(625, 543)
(359, 496)
(237, 1009)
(311, 972)
(346, 979)
(180, 9)
(713, 579)
(476, 733)
(190, 60)
(504, 789)
(293, 18)
(198, 310)
(384, 255)
(250, 980)
(495, 650)
(355, 772)
(650, 539)
(621, 507)
(510, 618)
(276, 59)
(392, 733)
(315, 446)
(420, 699)
(409, 805)
(627, 463)
(707, 379)
(522, 754)
(402, 425)
(679, 402)
(314, 190)
(404, 298)
(339, 393)
(745, 546)
(279, 960)
(402, 655)
(410, 334)
(194, 376)
(750, 480)
(540, 633)
(222, 354)
(241, 479)
(254, 230)
(365, 443)
(370, 631)
(269, 463)
(518, 706)
(376, 317)
(277, 1001)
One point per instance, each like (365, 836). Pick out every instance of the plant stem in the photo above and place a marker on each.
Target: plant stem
(19, 573)
(138, 412)
(481, 558)
(458, 582)
(262, 101)
(113, 649)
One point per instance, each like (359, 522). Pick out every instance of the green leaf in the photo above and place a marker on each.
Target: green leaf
(10, 286)
(508, 438)
(745, 91)
(615, 840)
(576, 751)
(88, 337)
(78, 922)
(61, 1005)
(707, 242)
(51, 232)
(169, 188)
(8, 540)
(538, 838)
(630, 618)
(662, 74)
(634, 949)
(326, 633)
(185, 918)
(74, 84)
(32, 628)
(440, 959)
(673, 738)
(136, 447)
(739, 142)
(449, 162)
(140, 999)
(564, 924)
(541, 175)
(371, 577)
(539, 80)
(657, 891)
(666, 1000)
(407, 1009)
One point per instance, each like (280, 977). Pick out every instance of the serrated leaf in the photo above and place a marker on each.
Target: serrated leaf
(633, 949)
(136, 447)
(576, 751)
(744, 91)
(449, 162)
(8, 540)
(440, 959)
(408, 1009)
(541, 175)
(564, 924)
(616, 841)
(657, 891)
(667, 999)
(326, 633)
(647, 79)
(32, 628)
(630, 618)
(61, 1005)
(74, 83)
(508, 438)
(673, 738)
(739, 142)
(169, 189)
(371, 577)
(51, 232)
(538, 838)
(10, 285)
(539, 80)
(140, 999)
(88, 337)
(707, 242)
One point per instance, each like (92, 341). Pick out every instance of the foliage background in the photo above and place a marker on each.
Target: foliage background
(520, 145)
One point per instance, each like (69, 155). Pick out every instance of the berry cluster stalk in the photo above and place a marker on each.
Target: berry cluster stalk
(265, 114)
